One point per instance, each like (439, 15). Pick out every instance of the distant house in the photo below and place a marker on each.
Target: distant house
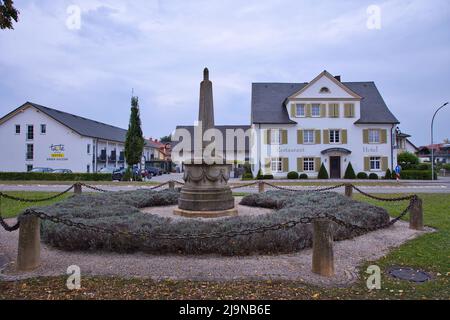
(36, 136)
(403, 144)
(441, 153)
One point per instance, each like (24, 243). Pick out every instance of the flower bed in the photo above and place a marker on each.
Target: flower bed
(120, 211)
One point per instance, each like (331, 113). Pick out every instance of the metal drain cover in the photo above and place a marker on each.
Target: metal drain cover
(409, 274)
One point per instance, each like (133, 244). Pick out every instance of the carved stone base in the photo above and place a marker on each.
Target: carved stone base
(206, 214)
(206, 188)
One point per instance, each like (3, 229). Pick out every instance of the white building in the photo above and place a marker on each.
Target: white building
(299, 126)
(36, 136)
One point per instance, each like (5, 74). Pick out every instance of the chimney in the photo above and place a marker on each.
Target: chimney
(338, 78)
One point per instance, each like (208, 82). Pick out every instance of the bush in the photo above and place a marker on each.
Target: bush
(259, 176)
(323, 173)
(387, 174)
(268, 177)
(120, 211)
(349, 172)
(445, 166)
(14, 176)
(417, 174)
(303, 176)
(362, 175)
(127, 175)
(247, 176)
(406, 158)
(292, 175)
(373, 176)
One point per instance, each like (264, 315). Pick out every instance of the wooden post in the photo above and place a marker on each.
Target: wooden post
(77, 188)
(260, 186)
(348, 190)
(29, 250)
(322, 259)
(171, 185)
(416, 214)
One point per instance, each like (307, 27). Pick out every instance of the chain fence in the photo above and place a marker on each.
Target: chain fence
(228, 234)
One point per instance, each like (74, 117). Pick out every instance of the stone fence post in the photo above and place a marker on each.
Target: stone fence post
(416, 214)
(323, 259)
(77, 188)
(29, 249)
(260, 186)
(348, 190)
(171, 185)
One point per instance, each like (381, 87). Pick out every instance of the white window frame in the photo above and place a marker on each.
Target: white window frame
(27, 126)
(43, 126)
(88, 148)
(374, 133)
(309, 164)
(312, 136)
(32, 153)
(29, 166)
(333, 141)
(303, 107)
(275, 136)
(317, 105)
(276, 164)
(375, 160)
(15, 129)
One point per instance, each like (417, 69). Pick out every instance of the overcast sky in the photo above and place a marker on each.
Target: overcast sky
(160, 48)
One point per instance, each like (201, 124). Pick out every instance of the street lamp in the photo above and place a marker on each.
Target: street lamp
(432, 148)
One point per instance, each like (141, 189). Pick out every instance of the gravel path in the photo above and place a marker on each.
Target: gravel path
(349, 254)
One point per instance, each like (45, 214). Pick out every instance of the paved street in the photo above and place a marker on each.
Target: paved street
(440, 186)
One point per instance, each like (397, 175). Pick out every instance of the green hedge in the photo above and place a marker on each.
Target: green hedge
(13, 176)
(292, 175)
(417, 174)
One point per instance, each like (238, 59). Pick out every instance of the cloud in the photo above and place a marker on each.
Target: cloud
(160, 48)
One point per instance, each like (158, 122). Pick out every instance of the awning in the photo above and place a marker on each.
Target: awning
(339, 150)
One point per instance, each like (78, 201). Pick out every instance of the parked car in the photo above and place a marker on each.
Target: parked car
(154, 171)
(62, 171)
(118, 174)
(44, 170)
(107, 170)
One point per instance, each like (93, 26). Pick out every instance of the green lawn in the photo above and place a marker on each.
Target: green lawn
(430, 252)
(11, 208)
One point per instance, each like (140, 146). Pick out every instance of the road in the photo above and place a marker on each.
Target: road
(410, 187)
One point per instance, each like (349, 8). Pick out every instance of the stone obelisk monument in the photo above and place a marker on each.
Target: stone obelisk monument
(206, 192)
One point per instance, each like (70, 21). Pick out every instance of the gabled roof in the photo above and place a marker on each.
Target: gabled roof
(326, 74)
(82, 126)
(268, 102)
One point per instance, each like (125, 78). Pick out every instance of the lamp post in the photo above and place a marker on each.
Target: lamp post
(432, 148)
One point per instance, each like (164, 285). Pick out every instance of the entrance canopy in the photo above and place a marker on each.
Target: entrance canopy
(340, 150)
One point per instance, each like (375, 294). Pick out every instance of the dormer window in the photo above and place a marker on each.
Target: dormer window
(324, 90)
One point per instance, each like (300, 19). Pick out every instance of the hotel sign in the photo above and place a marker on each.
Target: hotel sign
(57, 152)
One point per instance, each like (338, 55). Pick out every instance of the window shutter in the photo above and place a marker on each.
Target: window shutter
(383, 136)
(317, 164)
(336, 110)
(284, 138)
(323, 110)
(293, 110)
(384, 163)
(330, 110)
(299, 164)
(365, 135)
(267, 137)
(317, 140)
(267, 168)
(366, 164)
(349, 110)
(308, 110)
(285, 164)
(344, 136)
(326, 136)
(299, 136)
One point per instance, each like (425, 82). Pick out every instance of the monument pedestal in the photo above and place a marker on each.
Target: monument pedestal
(206, 193)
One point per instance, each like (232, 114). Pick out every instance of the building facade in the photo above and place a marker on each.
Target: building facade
(300, 126)
(36, 136)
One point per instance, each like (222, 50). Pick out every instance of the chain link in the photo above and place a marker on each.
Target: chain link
(409, 197)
